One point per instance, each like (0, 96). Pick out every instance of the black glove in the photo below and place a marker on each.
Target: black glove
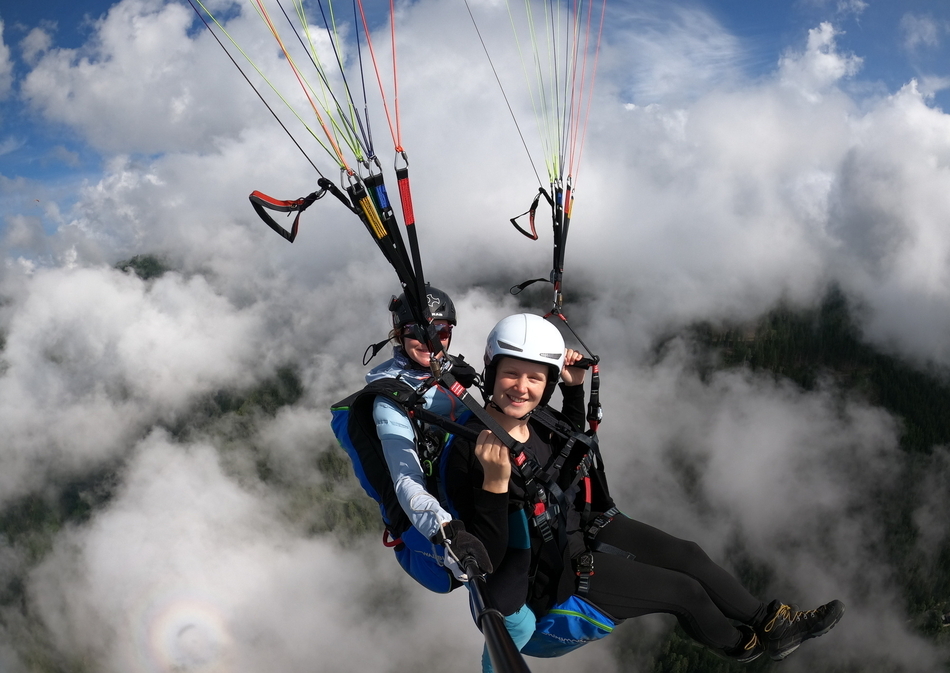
(461, 547)
(463, 372)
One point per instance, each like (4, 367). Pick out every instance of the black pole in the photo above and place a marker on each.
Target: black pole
(505, 657)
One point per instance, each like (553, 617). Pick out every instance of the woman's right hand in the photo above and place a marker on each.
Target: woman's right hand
(496, 463)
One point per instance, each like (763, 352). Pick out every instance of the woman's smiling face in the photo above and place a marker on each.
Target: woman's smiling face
(417, 350)
(519, 386)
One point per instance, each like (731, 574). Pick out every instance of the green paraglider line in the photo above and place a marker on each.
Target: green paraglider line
(514, 117)
(259, 72)
(243, 74)
(353, 140)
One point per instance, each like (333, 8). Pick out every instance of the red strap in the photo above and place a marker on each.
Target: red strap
(261, 201)
(533, 234)
(405, 196)
(276, 204)
(388, 542)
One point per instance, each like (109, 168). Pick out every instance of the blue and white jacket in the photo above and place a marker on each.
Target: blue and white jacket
(396, 434)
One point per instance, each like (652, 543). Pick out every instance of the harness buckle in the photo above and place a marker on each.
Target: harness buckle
(584, 569)
(599, 522)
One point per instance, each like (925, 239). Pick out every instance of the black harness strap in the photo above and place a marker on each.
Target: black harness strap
(584, 564)
(547, 498)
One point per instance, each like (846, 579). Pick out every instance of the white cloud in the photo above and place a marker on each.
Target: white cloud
(6, 66)
(68, 157)
(889, 210)
(920, 31)
(185, 570)
(35, 44)
(25, 233)
(143, 85)
(932, 84)
(93, 356)
(855, 7)
(11, 144)
(820, 66)
(672, 53)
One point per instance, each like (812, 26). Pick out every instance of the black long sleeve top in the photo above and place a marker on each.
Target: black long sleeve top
(500, 520)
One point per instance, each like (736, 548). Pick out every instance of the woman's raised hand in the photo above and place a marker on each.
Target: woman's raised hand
(493, 455)
(572, 376)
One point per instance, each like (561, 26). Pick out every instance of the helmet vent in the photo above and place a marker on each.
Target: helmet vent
(553, 356)
(509, 346)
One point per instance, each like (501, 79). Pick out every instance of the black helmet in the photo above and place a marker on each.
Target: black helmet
(440, 307)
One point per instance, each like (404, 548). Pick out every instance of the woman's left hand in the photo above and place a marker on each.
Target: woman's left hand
(572, 376)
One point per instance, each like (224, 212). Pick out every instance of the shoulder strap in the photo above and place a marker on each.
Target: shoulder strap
(398, 391)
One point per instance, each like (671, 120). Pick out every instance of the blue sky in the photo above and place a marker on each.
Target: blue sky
(898, 39)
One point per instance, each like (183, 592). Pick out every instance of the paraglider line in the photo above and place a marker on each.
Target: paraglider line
(321, 74)
(243, 74)
(504, 95)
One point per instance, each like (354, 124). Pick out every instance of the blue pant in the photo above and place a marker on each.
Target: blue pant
(521, 627)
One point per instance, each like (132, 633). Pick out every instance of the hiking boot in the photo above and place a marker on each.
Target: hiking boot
(750, 649)
(786, 627)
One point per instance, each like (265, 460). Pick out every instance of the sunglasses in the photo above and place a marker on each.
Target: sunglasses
(413, 331)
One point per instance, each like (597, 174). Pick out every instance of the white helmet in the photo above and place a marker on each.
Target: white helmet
(526, 337)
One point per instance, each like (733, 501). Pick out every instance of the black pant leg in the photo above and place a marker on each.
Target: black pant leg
(651, 546)
(625, 589)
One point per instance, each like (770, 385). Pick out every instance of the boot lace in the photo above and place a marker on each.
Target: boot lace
(752, 644)
(785, 613)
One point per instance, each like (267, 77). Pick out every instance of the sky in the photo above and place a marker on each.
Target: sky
(738, 155)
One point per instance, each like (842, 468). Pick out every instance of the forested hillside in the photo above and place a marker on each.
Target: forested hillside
(823, 346)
